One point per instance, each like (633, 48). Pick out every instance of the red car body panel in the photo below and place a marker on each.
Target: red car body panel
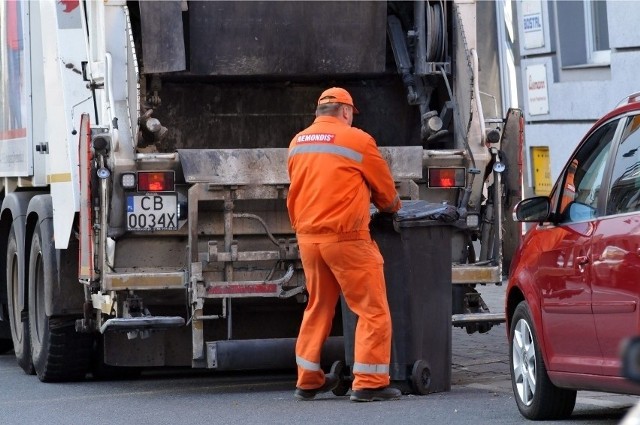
(582, 285)
(615, 282)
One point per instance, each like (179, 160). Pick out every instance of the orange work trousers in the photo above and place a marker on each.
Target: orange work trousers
(354, 268)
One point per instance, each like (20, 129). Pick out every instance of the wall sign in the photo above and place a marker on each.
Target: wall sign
(532, 24)
(537, 93)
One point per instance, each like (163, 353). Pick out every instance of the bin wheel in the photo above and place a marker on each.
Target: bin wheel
(421, 377)
(344, 384)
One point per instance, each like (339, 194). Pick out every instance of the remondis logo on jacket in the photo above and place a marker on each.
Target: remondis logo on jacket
(316, 138)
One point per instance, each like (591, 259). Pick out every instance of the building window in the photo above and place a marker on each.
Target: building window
(583, 41)
(597, 32)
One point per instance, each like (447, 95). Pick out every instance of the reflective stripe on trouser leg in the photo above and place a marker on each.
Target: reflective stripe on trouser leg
(358, 267)
(318, 316)
(306, 364)
(370, 368)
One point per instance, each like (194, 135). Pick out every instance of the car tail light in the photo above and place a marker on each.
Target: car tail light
(155, 181)
(446, 177)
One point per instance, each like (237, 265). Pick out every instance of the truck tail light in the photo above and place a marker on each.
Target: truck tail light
(128, 181)
(447, 177)
(473, 221)
(156, 181)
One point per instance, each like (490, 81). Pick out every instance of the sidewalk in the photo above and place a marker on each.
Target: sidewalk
(482, 360)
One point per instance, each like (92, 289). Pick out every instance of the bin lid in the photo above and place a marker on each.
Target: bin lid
(423, 210)
(416, 214)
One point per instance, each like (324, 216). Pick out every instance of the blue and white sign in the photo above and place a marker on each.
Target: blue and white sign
(532, 24)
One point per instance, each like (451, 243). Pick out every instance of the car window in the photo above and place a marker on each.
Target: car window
(624, 195)
(583, 176)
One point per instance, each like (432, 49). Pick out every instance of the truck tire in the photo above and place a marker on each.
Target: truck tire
(19, 328)
(59, 352)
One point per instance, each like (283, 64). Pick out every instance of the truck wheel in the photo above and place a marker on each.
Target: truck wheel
(59, 353)
(19, 328)
(536, 396)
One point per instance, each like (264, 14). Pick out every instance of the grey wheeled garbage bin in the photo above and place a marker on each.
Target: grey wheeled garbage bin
(416, 247)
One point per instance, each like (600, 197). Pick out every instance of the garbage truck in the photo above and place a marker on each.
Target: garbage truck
(143, 151)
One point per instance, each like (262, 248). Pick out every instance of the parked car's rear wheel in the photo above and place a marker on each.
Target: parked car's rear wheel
(535, 394)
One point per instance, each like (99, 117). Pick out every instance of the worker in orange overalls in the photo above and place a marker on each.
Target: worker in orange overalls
(569, 192)
(336, 171)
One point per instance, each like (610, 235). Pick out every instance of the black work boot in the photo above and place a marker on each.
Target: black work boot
(376, 394)
(331, 381)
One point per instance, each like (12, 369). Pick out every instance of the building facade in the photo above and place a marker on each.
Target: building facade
(574, 61)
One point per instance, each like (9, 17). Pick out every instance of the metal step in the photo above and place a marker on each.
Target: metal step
(130, 324)
(145, 280)
(467, 273)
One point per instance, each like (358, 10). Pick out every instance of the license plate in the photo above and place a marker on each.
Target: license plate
(152, 212)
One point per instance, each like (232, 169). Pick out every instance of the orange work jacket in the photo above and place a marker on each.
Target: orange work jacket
(336, 171)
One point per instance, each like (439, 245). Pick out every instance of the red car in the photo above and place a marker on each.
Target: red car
(574, 284)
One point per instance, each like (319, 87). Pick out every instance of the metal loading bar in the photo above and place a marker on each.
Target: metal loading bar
(463, 319)
(277, 353)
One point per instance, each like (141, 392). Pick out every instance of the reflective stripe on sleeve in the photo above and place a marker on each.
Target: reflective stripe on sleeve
(332, 149)
(370, 368)
(306, 364)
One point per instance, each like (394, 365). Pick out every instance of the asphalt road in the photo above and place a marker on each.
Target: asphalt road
(178, 397)
(480, 394)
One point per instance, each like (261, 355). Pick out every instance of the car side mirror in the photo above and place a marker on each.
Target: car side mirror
(534, 209)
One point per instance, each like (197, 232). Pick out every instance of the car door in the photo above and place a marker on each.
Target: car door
(615, 252)
(563, 276)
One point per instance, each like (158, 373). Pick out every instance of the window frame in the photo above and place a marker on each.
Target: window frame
(559, 188)
(576, 25)
(595, 56)
(624, 121)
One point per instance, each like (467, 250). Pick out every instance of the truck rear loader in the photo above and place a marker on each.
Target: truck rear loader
(143, 150)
